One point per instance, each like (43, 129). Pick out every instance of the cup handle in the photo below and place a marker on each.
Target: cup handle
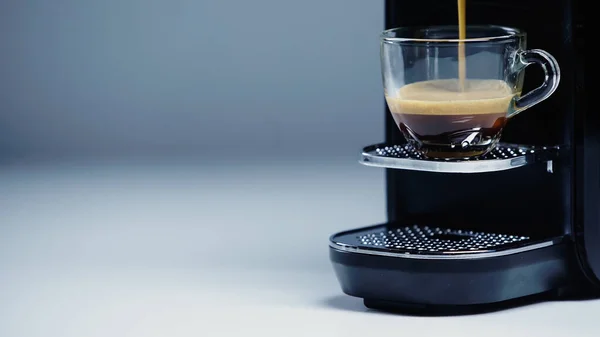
(551, 78)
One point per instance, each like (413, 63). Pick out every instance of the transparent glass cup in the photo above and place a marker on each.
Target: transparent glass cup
(451, 98)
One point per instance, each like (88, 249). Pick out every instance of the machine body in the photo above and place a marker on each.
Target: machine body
(480, 234)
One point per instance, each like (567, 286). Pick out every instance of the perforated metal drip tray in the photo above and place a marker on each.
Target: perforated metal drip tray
(424, 242)
(505, 156)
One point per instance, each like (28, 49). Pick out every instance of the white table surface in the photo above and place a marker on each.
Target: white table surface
(191, 250)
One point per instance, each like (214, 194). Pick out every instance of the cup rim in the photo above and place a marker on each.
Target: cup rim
(508, 33)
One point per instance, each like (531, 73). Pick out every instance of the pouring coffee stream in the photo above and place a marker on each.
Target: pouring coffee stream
(462, 34)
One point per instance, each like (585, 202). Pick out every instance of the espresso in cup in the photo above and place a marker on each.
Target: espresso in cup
(452, 89)
(452, 118)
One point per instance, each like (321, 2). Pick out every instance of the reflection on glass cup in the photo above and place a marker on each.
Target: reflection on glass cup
(446, 115)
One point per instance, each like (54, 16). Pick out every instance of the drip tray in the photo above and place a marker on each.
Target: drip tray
(392, 266)
(504, 157)
(424, 242)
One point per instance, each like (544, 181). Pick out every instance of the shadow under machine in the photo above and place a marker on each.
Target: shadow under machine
(523, 222)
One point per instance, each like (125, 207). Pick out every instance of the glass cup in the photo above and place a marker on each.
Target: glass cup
(451, 98)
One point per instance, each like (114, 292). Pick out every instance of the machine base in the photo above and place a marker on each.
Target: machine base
(456, 310)
(446, 281)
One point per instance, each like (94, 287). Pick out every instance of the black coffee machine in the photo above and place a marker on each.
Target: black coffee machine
(521, 224)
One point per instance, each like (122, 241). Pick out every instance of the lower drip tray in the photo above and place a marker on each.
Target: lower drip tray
(393, 267)
(426, 242)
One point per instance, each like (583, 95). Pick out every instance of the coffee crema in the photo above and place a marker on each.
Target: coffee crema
(446, 119)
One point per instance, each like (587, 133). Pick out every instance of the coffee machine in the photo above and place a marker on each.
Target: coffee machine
(521, 223)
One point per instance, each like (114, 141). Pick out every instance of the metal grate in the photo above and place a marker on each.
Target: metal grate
(503, 157)
(435, 243)
(407, 151)
(423, 239)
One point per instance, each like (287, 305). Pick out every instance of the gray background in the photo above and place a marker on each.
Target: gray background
(210, 79)
(247, 118)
